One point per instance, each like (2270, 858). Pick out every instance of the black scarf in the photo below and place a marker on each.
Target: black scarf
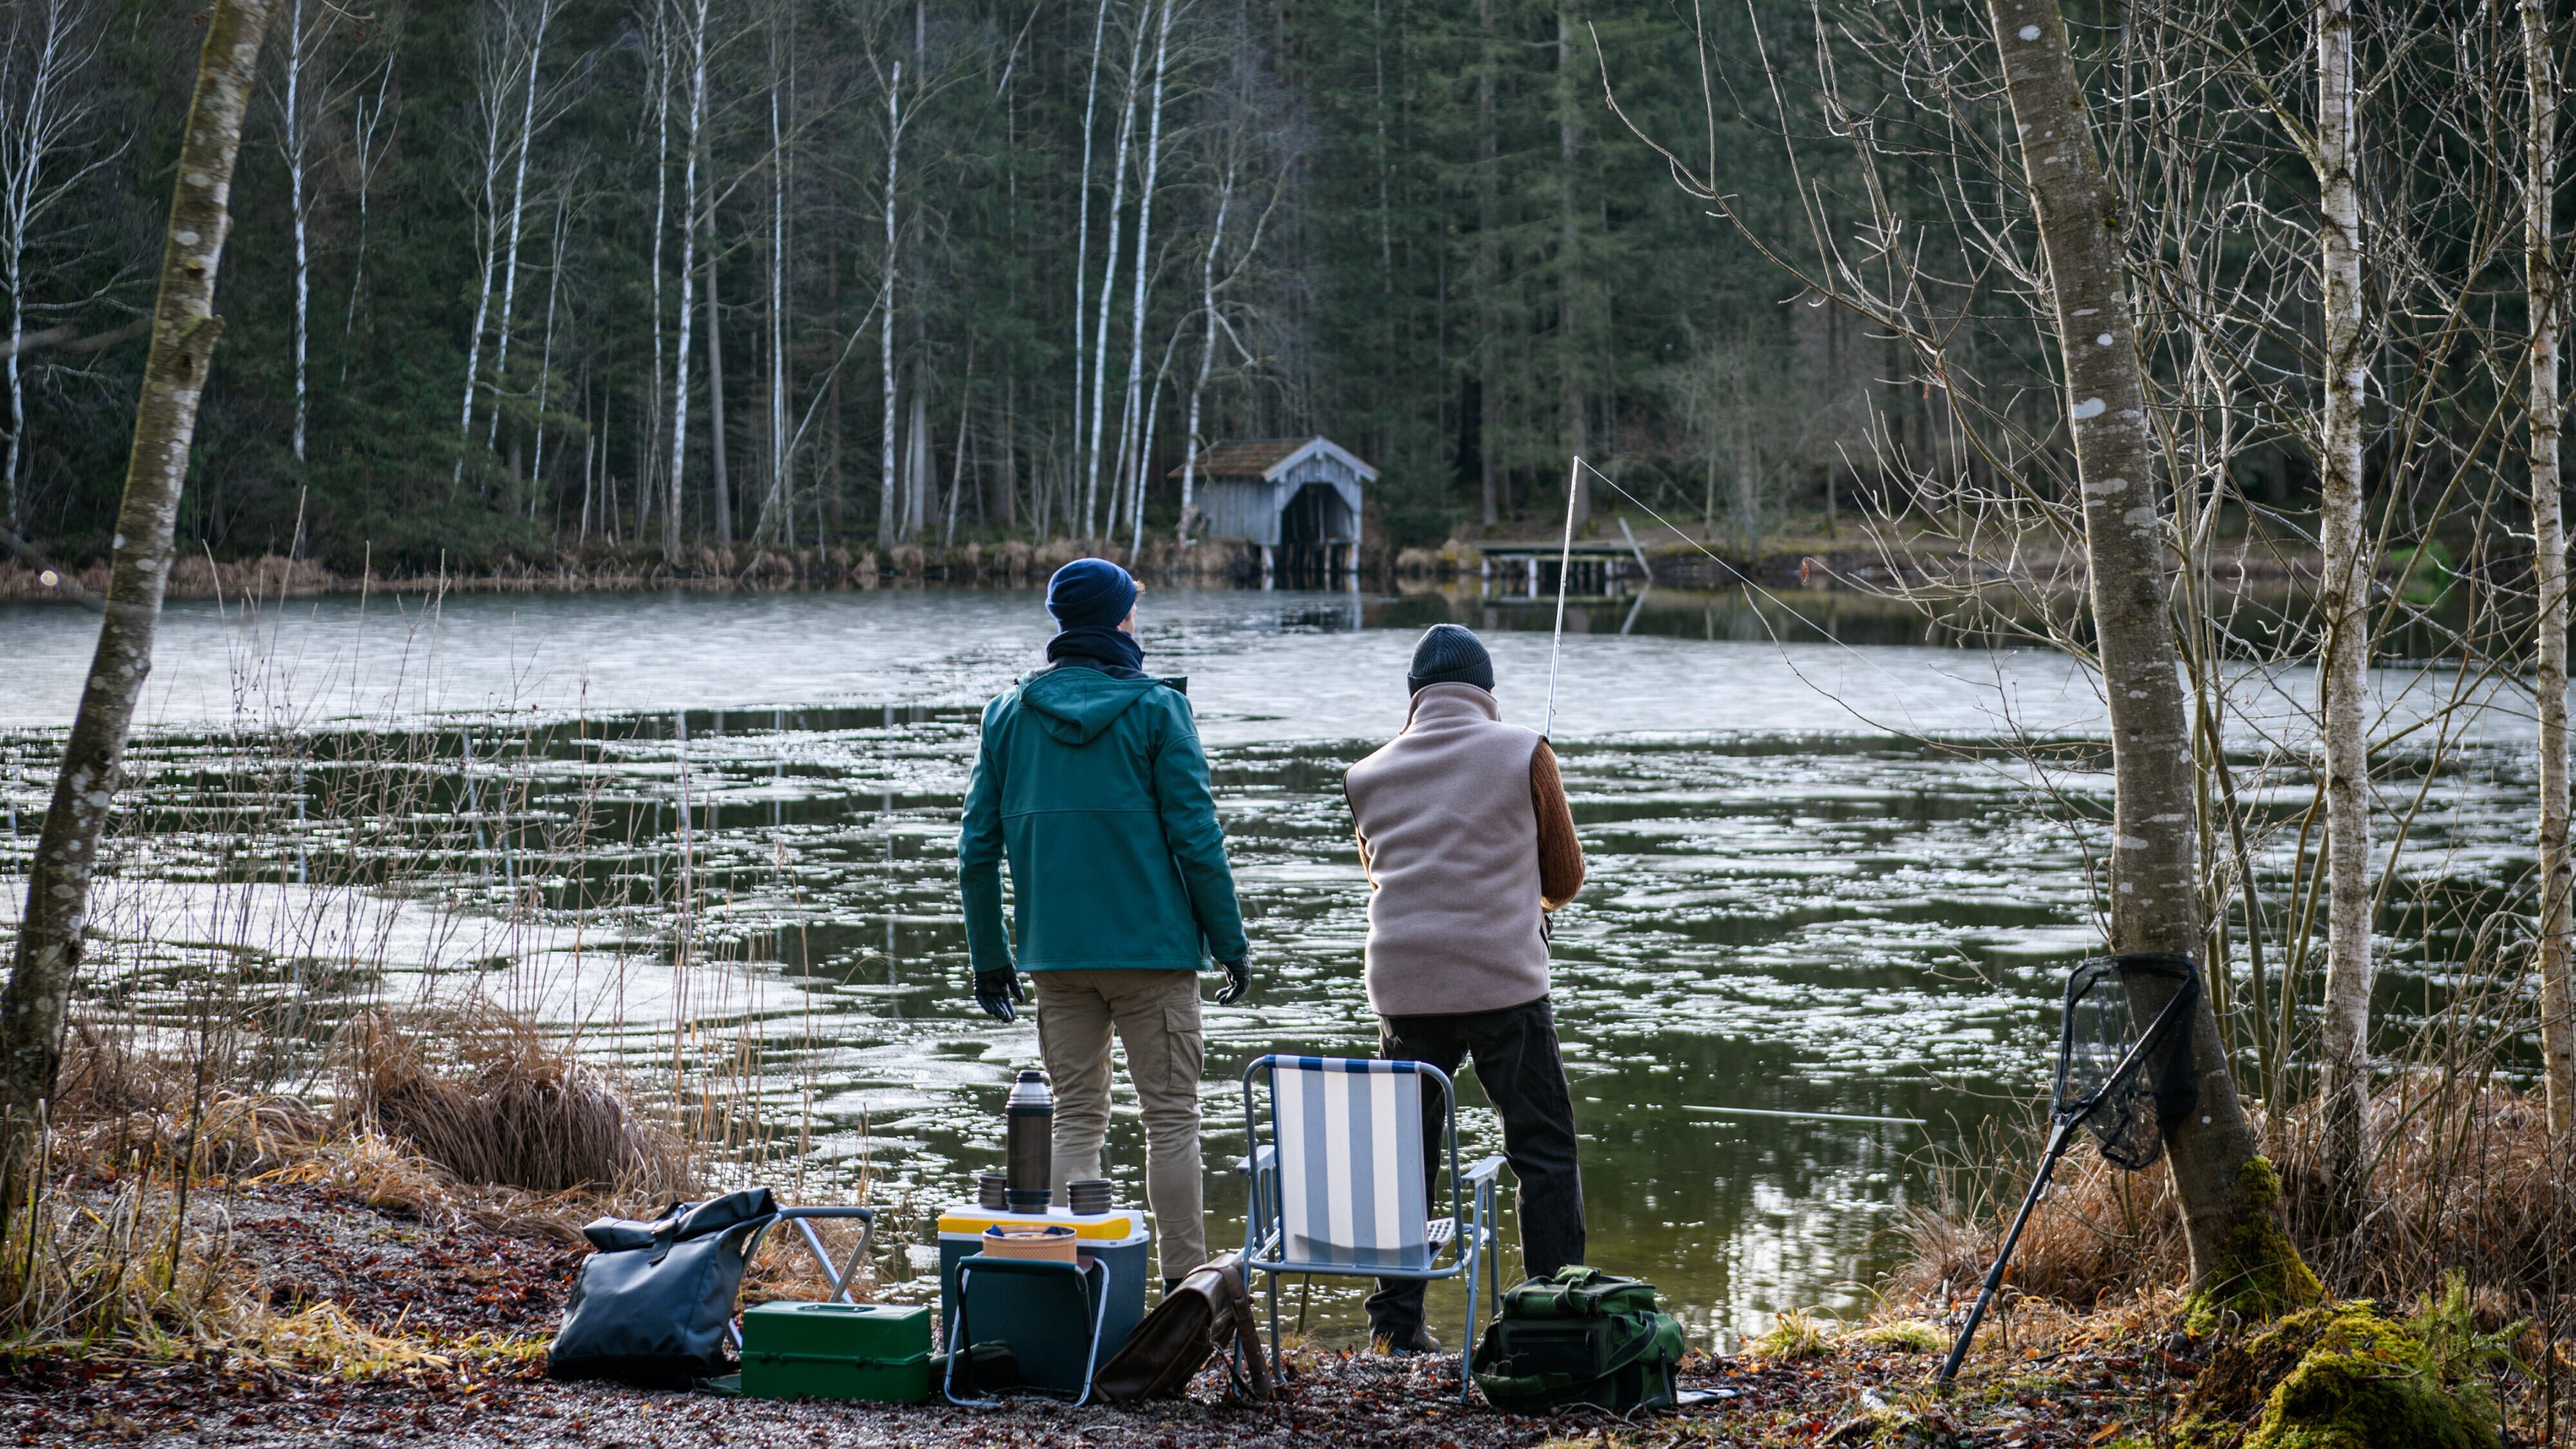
(1111, 650)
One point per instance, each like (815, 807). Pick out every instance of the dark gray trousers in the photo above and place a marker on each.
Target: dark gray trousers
(1523, 1074)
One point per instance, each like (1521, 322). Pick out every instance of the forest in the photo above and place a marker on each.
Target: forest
(524, 276)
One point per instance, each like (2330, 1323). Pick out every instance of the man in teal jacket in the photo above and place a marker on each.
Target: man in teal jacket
(1091, 784)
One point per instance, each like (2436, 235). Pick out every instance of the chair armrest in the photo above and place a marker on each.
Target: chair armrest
(865, 1215)
(1484, 1172)
(1263, 1159)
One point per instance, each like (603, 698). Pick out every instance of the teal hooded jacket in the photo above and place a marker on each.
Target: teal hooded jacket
(1095, 791)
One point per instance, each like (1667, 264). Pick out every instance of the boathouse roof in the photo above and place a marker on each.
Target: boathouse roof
(1271, 459)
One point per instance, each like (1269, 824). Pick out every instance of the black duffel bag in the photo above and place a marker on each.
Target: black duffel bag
(651, 1306)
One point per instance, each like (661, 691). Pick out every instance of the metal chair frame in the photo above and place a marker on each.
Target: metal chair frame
(804, 1218)
(1469, 1227)
(1083, 1272)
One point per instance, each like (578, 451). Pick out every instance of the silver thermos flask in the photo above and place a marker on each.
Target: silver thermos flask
(1029, 1122)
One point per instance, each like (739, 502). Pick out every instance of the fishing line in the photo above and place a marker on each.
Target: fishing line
(1804, 1116)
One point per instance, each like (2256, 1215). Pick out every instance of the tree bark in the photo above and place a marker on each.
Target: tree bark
(2343, 611)
(2229, 1195)
(184, 329)
(2545, 285)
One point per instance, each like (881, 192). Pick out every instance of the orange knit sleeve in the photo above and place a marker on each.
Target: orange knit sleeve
(1560, 853)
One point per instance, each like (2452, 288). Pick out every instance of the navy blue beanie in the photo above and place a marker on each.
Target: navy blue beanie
(1451, 654)
(1090, 592)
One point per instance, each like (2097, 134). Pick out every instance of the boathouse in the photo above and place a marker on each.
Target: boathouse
(1297, 500)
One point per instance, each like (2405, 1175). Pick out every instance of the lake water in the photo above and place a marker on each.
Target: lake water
(1819, 883)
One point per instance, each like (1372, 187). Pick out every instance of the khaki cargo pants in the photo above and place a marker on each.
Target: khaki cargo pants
(1156, 1017)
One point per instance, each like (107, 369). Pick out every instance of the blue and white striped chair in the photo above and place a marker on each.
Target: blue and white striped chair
(1338, 1185)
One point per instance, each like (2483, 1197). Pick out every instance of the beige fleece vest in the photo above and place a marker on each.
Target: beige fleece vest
(1454, 919)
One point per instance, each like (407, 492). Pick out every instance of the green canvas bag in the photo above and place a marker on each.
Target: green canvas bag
(1579, 1337)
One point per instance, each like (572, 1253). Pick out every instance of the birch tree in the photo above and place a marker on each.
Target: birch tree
(1243, 139)
(692, 21)
(2077, 290)
(2343, 606)
(1082, 224)
(886, 479)
(371, 136)
(2545, 287)
(497, 56)
(2238, 1251)
(300, 96)
(536, 19)
(50, 113)
(1132, 463)
(184, 329)
(1097, 403)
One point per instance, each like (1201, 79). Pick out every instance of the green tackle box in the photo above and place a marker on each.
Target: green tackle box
(874, 1351)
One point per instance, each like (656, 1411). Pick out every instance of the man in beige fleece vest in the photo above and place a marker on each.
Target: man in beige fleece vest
(1468, 843)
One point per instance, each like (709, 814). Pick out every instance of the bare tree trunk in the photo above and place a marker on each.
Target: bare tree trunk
(661, 59)
(886, 477)
(720, 480)
(1108, 288)
(372, 138)
(2545, 286)
(2343, 611)
(546, 348)
(46, 107)
(184, 329)
(1129, 412)
(295, 123)
(1082, 226)
(545, 15)
(2239, 1254)
(696, 21)
(1207, 350)
(957, 460)
(492, 79)
(777, 509)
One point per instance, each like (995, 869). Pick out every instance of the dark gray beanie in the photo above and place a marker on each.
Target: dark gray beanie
(1451, 654)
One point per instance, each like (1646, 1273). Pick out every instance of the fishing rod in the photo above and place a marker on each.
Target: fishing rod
(1564, 560)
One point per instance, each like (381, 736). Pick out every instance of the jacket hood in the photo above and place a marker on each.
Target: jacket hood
(1076, 704)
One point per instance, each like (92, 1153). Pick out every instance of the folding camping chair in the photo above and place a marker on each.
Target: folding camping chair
(1340, 1187)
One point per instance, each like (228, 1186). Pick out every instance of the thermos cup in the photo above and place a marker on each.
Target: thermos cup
(1029, 1135)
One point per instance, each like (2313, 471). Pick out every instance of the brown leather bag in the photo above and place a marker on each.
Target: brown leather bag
(1209, 1315)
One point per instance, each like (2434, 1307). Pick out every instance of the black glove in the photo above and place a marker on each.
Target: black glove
(996, 989)
(1238, 980)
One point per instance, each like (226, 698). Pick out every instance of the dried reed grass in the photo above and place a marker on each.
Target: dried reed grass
(113, 1103)
(133, 1264)
(493, 1100)
(2465, 1180)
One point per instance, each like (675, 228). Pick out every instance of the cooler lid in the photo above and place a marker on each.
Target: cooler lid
(969, 1220)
